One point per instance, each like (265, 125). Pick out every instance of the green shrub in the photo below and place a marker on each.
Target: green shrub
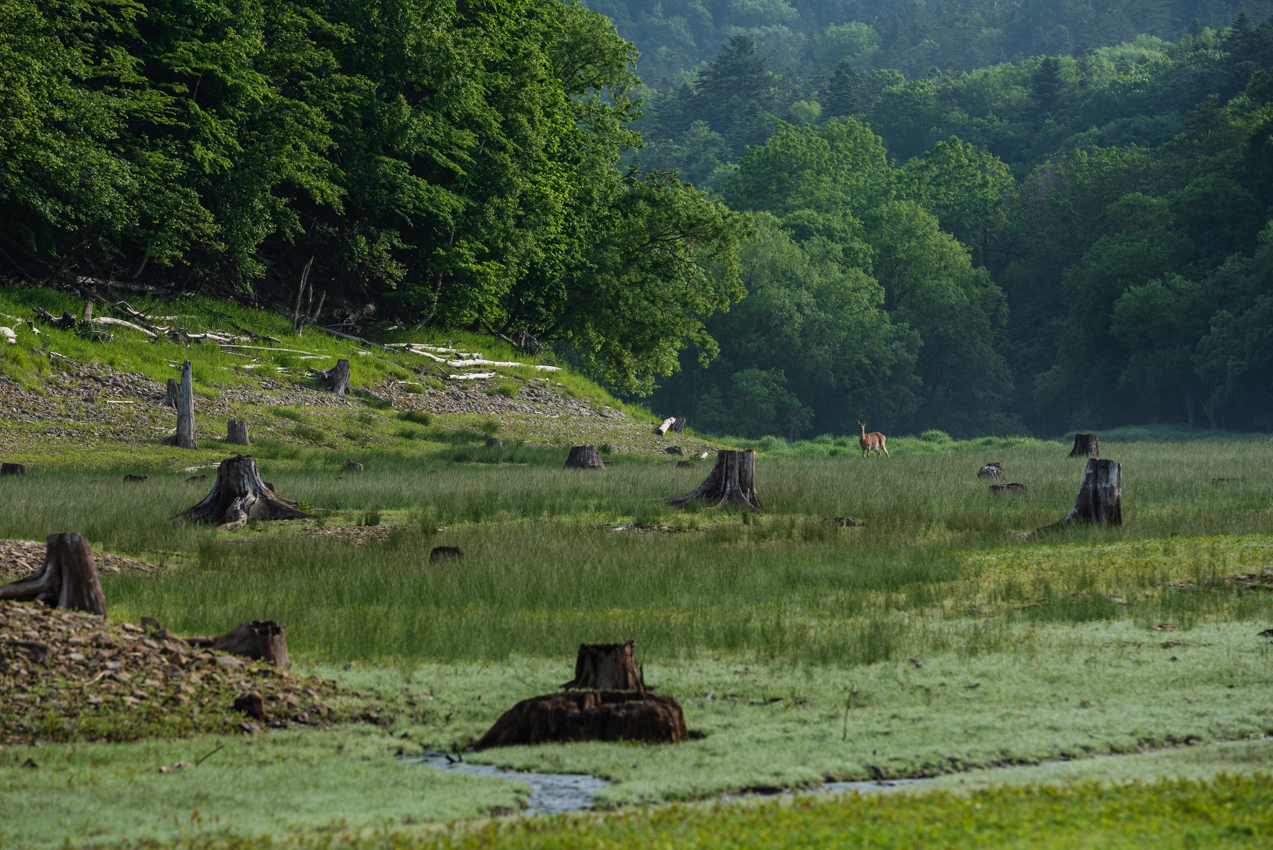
(370, 518)
(490, 427)
(935, 436)
(288, 413)
(419, 417)
(508, 389)
(307, 433)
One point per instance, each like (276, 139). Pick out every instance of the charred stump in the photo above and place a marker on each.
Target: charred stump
(12, 469)
(171, 393)
(584, 457)
(338, 378)
(68, 578)
(589, 716)
(1100, 498)
(185, 409)
(733, 479)
(238, 494)
(446, 553)
(607, 667)
(257, 639)
(236, 432)
(1086, 445)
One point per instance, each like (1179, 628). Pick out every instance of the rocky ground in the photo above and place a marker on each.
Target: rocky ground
(72, 676)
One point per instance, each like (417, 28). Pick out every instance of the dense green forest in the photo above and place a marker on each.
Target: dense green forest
(981, 217)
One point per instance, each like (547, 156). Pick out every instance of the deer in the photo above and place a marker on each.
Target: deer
(872, 442)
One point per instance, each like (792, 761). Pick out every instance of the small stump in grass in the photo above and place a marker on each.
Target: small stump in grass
(239, 494)
(1014, 487)
(12, 469)
(446, 553)
(990, 470)
(1086, 445)
(589, 716)
(584, 457)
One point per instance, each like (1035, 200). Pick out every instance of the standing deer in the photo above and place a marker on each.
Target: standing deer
(872, 442)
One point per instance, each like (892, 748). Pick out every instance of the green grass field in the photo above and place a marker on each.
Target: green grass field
(936, 640)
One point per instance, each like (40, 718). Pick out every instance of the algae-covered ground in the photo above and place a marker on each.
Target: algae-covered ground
(944, 637)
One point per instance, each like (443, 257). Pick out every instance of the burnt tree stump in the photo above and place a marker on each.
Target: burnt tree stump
(171, 392)
(185, 409)
(733, 479)
(12, 469)
(68, 578)
(239, 493)
(1086, 445)
(257, 639)
(236, 432)
(589, 716)
(494, 443)
(446, 553)
(1100, 498)
(607, 667)
(338, 378)
(584, 457)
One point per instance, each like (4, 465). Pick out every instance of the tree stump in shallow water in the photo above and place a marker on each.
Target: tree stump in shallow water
(236, 432)
(185, 410)
(584, 457)
(733, 479)
(68, 578)
(12, 469)
(338, 378)
(607, 667)
(1086, 445)
(1100, 498)
(589, 716)
(257, 639)
(239, 494)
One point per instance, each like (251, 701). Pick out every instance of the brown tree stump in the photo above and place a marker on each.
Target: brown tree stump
(589, 716)
(236, 431)
(12, 469)
(338, 378)
(257, 639)
(1086, 445)
(68, 578)
(494, 443)
(185, 409)
(733, 479)
(584, 457)
(171, 392)
(679, 425)
(238, 494)
(446, 553)
(607, 667)
(1100, 498)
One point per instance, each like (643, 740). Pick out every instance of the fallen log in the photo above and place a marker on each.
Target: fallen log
(732, 480)
(1086, 445)
(1100, 498)
(68, 578)
(607, 667)
(257, 639)
(584, 457)
(239, 494)
(665, 426)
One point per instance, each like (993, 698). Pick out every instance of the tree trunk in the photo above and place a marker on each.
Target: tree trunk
(12, 469)
(607, 667)
(733, 479)
(1100, 498)
(257, 639)
(679, 425)
(338, 380)
(171, 393)
(584, 457)
(68, 578)
(1086, 445)
(665, 426)
(239, 494)
(236, 431)
(185, 409)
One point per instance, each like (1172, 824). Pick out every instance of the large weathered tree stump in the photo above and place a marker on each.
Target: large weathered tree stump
(236, 431)
(607, 667)
(185, 409)
(1100, 498)
(171, 392)
(338, 378)
(239, 494)
(68, 578)
(12, 469)
(1086, 445)
(257, 639)
(584, 457)
(589, 716)
(733, 479)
